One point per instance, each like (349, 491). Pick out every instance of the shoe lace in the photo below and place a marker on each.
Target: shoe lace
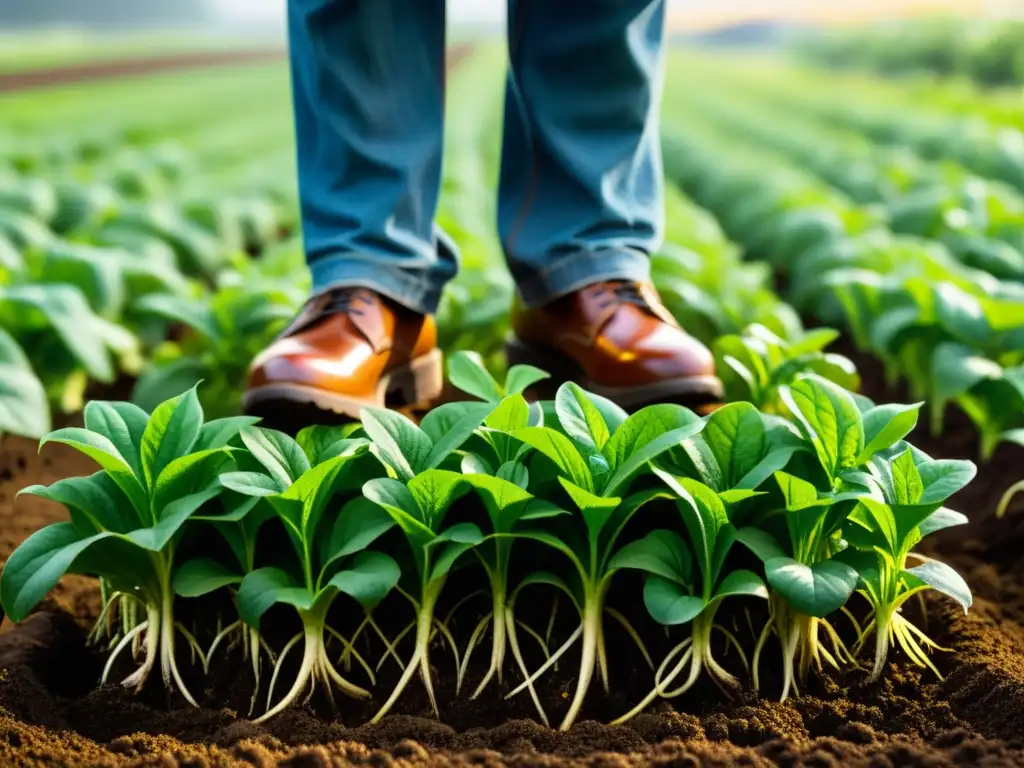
(340, 300)
(630, 293)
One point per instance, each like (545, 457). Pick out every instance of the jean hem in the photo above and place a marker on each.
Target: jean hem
(419, 294)
(582, 268)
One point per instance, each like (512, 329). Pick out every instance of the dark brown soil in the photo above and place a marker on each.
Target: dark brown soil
(131, 67)
(51, 713)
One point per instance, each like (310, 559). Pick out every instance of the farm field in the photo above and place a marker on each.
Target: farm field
(826, 570)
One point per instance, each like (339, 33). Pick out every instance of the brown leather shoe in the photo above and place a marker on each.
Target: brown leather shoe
(615, 339)
(346, 349)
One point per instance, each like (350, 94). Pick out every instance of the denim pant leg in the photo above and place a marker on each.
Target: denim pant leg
(581, 174)
(368, 84)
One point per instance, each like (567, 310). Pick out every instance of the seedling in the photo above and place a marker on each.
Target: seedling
(126, 520)
(673, 596)
(299, 494)
(597, 461)
(882, 534)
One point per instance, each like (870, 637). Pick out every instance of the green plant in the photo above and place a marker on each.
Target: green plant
(762, 363)
(597, 461)
(798, 532)
(223, 333)
(157, 472)
(299, 494)
(882, 534)
(418, 495)
(673, 595)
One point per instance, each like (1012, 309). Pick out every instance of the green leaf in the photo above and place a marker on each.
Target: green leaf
(472, 464)
(886, 425)
(515, 473)
(669, 603)
(956, 370)
(503, 500)
(171, 518)
(283, 458)
(453, 438)
(123, 424)
(456, 541)
(441, 420)
(741, 582)
(816, 590)
(188, 474)
(94, 500)
(797, 493)
(435, 490)
(35, 567)
(360, 523)
(944, 477)
(320, 442)
(521, 377)
(172, 430)
(372, 576)
(736, 436)
(941, 577)
(661, 552)
(24, 409)
(511, 414)
(596, 510)
(261, 589)
(830, 419)
(580, 419)
(705, 517)
(906, 481)
(466, 371)
(941, 519)
(400, 443)
(202, 576)
(104, 453)
(561, 451)
(219, 432)
(644, 436)
(761, 543)
(394, 497)
(251, 483)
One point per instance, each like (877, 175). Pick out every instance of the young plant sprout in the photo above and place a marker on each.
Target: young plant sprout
(672, 595)
(808, 581)
(419, 509)
(761, 363)
(508, 505)
(595, 464)
(299, 495)
(882, 535)
(466, 371)
(126, 521)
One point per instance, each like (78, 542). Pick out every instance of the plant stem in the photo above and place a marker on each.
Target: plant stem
(591, 631)
(313, 639)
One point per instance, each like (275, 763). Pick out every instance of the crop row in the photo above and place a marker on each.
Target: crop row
(988, 52)
(952, 331)
(824, 496)
(164, 249)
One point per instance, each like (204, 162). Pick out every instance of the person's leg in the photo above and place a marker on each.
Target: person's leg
(581, 176)
(368, 85)
(581, 208)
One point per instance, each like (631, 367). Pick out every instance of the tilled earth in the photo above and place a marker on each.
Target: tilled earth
(52, 714)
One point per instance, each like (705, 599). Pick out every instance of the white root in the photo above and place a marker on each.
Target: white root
(315, 667)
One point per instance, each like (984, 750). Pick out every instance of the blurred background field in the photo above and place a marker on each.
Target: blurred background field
(859, 166)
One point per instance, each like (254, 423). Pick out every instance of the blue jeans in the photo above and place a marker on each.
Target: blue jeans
(580, 197)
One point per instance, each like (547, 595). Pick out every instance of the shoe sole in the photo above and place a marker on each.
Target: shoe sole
(412, 385)
(691, 390)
